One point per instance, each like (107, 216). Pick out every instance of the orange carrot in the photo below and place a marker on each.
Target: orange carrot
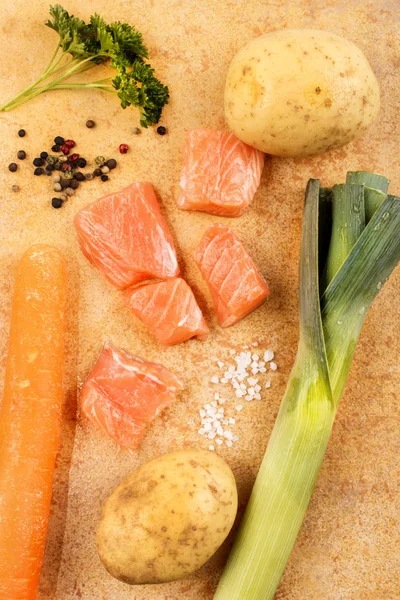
(30, 418)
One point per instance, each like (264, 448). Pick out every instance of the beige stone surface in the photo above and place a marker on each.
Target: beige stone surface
(348, 548)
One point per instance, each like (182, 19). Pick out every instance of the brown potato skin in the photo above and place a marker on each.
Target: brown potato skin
(167, 518)
(295, 93)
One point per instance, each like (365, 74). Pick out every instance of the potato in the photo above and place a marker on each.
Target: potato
(300, 92)
(168, 518)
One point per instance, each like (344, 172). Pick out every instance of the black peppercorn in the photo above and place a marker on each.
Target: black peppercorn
(38, 162)
(56, 202)
(81, 162)
(21, 133)
(59, 140)
(79, 176)
(111, 163)
(38, 171)
(13, 167)
(74, 184)
(161, 130)
(97, 172)
(21, 154)
(65, 183)
(90, 124)
(55, 148)
(49, 168)
(104, 177)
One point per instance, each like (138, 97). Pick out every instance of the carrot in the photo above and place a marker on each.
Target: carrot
(30, 418)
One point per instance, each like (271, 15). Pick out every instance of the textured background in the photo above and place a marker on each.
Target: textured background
(348, 548)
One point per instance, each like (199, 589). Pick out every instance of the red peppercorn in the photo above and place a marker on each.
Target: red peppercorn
(65, 149)
(73, 157)
(123, 148)
(66, 167)
(70, 143)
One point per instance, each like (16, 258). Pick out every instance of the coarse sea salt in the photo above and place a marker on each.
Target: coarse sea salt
(240, 377)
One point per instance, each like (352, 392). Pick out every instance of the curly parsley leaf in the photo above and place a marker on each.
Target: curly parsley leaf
(96, 42)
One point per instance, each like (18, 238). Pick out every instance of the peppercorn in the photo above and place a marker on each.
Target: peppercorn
(69, 191)
(89, 176)
(70, 143)
(22, 133)
(97, 172)
(68, 175)
(49, 168)
(51, 159)
(73, 157)
(38, 171)
(62, 159)
(57, 166)
(65, 167)
(12, 167)
(105, 169)
(111, 163)
(21, 154)
(81, 162)
(64, 183)
(38, 162)
(15, 188)
(55, 148)
(104, 177)
(57, 178)
(161, 130)
(59, 140)
(123, 148)
(100, 160)
(136, 130)
(74, 184)
(57, 187)
(79, 176)
(56, 202)
(90, 124)
(65, 149)
(44, 155)
(63, 197)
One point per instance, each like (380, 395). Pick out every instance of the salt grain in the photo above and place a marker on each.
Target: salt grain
(268, 355)
(273, 366)
(211, 447)
(214, 379)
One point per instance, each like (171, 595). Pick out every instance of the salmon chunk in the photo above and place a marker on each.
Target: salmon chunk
(236, 285)
(220, 174)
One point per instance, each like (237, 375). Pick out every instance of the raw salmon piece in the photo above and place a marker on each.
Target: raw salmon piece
(236, 285)
(169, 309)
(124, 393)
(220, 174)
(126, 237)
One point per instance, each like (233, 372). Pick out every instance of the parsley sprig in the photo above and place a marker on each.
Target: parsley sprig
(82, 46)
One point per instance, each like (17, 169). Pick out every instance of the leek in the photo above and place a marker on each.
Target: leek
(330, 324)
(375, 189)
(348, 221)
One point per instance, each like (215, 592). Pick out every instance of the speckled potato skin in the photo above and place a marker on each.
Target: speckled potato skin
(300, 92)
(168, 518)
